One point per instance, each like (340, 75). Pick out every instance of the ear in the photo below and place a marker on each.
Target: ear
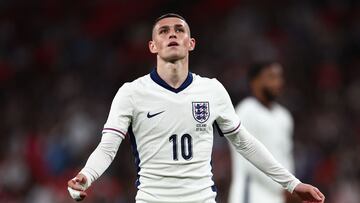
(192, 44)
(152, 47)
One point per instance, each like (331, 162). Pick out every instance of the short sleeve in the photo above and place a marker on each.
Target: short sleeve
(120, 114)
(227, 121)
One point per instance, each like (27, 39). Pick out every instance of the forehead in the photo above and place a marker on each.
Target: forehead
(272, 69)
(171, 21)
(275, 68)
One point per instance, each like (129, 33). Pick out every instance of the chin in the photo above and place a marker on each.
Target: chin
(270, 96)
(173, 57)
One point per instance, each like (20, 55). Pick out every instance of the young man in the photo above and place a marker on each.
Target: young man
(272, 125)
(169, 116)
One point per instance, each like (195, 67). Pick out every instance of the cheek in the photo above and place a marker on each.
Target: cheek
(187, 44)
(276, 85)
(159, 43)
(279, 82)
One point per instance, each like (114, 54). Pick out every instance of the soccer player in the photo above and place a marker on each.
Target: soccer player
(169, 116)
(272, 125)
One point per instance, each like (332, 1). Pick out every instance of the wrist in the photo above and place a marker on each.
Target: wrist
(88, 181)
(291, 187)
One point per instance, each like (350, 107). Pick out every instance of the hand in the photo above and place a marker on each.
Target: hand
(76, 187)
(309, 193)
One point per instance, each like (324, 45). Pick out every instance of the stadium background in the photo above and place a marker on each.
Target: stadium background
(61, 62)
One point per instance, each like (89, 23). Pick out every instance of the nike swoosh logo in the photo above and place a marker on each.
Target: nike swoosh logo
(155, 114)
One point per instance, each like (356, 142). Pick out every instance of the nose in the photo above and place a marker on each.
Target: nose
(172, 34)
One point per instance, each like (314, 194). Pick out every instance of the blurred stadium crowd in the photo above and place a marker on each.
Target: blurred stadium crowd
(61, 63)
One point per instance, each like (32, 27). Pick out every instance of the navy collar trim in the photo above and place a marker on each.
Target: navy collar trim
(157, 79)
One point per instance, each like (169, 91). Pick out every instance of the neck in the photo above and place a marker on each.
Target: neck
(173, 73)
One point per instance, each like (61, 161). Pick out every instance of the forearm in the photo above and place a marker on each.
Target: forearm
(249, 147)
(262, 179)
(101, 157)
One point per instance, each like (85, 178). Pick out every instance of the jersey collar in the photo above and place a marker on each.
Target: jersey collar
(157, 79)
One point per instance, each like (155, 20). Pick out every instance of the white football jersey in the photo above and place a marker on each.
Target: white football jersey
(171, 131)
(273, 127)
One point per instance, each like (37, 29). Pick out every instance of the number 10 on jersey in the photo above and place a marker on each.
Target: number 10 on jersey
(185, 144)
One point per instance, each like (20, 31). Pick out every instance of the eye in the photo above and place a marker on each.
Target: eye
(180, 30)
(163, 31)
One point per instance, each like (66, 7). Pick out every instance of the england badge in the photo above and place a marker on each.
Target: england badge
(201, 111)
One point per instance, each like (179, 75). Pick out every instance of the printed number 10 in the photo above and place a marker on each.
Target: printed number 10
(186, 146)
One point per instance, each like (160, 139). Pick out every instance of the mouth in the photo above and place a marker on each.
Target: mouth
(172, 44)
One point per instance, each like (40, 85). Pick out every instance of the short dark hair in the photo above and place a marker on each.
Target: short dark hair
(168, 15)
(256, 68)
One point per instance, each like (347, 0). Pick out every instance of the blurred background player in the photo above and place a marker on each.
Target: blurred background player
(272, 124)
